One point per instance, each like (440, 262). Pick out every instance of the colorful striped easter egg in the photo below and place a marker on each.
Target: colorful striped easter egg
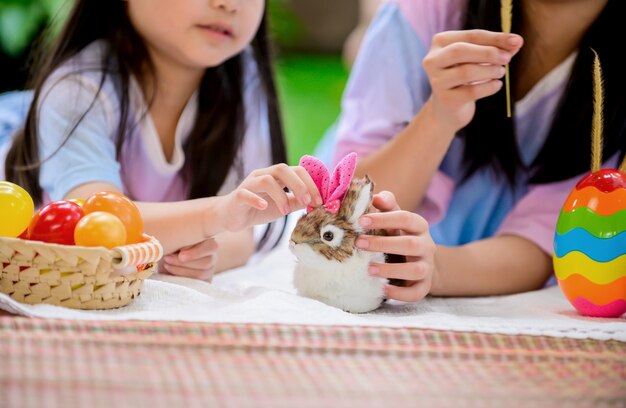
(590, 245)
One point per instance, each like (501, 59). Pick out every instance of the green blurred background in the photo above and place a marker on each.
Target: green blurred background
(309, 88)
(309, 35)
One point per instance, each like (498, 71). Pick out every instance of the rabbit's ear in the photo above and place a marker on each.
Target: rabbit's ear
(357, 199)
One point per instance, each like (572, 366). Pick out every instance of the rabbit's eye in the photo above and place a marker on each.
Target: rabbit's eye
(331, 235)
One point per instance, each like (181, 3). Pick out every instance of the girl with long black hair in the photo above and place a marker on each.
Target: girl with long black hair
(173, 104)
(425, 108)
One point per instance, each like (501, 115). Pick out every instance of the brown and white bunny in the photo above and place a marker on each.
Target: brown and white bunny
(330, 267)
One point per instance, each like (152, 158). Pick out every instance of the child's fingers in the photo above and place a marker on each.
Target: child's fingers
(505, 41)
(269, 186)
(289, 178)
(296, 179)
(247, 197)
(407, 245)
(385, 201)
(310, 184)
(294, 203)
(477, 91)
(205, 275)
(465, 53)
(404, 220)
(469, 74)
(299, 183)
(409, 271)
(200, 250)
(200, 264)
(412, 293)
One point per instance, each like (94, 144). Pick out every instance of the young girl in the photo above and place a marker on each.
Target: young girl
(170, 103)
(425, 108)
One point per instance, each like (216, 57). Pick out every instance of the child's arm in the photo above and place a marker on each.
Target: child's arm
(417, 150)
(259, 199)
(189, 253)
(462, 67)
(494, 266)
(176, 224)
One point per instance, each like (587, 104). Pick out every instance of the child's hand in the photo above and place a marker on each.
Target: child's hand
(408, 236)
(196, 261)
(464, 66)
(261, 197)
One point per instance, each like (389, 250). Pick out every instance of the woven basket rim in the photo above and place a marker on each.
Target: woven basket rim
(148, 238)
(115, 253)
(42, 244)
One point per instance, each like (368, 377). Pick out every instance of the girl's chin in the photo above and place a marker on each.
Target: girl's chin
(209, 60)
(204, 63)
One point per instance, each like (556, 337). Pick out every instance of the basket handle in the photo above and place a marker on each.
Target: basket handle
(137, 254)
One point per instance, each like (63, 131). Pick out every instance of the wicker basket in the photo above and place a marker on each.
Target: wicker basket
(74, 276)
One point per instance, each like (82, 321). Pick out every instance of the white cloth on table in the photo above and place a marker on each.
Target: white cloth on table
(262, 292)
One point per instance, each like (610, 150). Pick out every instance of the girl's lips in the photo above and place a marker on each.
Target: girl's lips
(220, 31)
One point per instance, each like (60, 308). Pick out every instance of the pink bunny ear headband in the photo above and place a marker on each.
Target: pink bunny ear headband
(332, 187)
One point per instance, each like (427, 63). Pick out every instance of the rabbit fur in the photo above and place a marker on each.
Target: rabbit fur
(329, 266)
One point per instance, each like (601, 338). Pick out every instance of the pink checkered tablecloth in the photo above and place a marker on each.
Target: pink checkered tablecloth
(60, 363)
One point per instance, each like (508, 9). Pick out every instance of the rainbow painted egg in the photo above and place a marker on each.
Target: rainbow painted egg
(590, 245)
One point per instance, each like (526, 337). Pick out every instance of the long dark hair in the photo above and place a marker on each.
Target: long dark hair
(212, 146)
(490, 137)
